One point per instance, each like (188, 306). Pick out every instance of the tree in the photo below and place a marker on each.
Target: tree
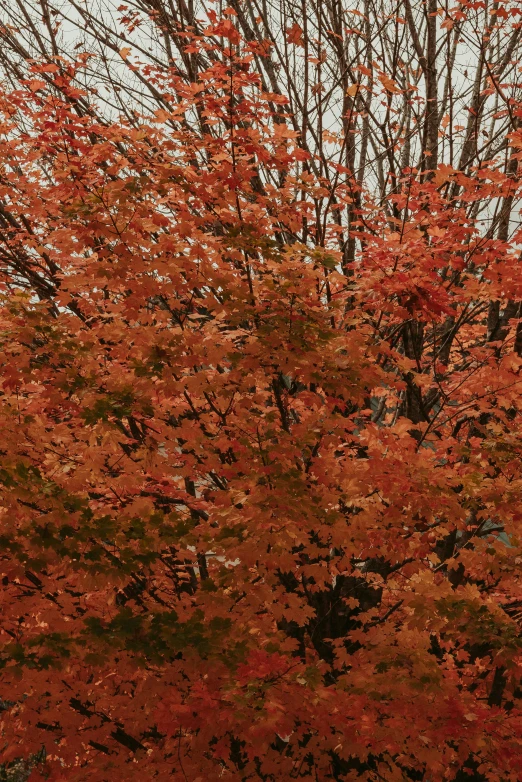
(260, 461)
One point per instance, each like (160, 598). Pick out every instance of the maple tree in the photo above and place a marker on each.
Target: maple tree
(260, 457)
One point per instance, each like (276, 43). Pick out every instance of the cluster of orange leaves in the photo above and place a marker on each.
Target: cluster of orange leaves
(217, 561)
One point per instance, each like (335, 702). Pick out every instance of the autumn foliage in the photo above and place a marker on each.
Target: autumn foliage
(260, 501)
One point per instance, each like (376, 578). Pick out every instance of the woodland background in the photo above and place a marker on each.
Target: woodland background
(261, 341)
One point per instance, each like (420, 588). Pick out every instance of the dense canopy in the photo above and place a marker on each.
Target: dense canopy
(260, 456)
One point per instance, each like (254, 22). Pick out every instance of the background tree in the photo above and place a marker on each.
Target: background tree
(260, 373)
